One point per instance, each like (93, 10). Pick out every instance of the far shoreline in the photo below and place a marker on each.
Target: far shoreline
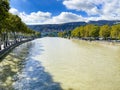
(108, 42)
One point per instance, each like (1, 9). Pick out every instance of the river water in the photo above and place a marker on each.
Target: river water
(56, 63)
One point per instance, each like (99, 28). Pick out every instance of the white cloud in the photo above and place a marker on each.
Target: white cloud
(32, 18)
(89, 6)
(108, 8)
(46, 17)
(66, 17)
(35, 17)
(14, 11)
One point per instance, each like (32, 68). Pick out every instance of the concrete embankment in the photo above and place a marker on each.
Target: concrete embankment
(9, 48)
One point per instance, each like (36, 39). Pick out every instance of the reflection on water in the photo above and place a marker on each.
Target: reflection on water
(19, 71)
(12, 65)
(76, 65)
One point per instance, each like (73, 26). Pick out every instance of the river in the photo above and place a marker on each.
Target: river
(53, 63)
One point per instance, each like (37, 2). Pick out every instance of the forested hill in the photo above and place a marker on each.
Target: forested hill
(56, 27)
(69, 26)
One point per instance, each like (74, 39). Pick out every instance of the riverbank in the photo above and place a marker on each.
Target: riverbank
(107, 42)
(5, 51)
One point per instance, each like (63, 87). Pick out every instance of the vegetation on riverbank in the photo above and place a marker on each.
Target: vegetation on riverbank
(12, 29)
(94, 32)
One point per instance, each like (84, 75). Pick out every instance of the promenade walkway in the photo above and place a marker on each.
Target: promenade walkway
(12, 45)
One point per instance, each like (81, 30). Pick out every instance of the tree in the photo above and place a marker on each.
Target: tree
(82, 31)
(115, 32)
(76, 32)
(105, 31)
(4, 8)
(94, 31)
(87, 28)
(62, 34)
(12, 25)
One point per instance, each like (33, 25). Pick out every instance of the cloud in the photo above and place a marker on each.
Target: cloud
(96, 10)
(14, 11)
(35, 17)
(103, 8)
(88, 6)
(46, 17)
(32, 18)
(66, 17)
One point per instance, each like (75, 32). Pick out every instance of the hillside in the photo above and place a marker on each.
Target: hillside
(53, 29)
(68, 26)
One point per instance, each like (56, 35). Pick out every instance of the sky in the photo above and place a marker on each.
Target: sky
(63, 11)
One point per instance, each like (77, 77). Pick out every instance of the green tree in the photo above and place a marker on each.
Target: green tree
(105, 31)
(82, 31)
(11, 25)
(62, 34)
(87, 29)
(115, 32)
(94, 31)
(76, 32)
(4, 8)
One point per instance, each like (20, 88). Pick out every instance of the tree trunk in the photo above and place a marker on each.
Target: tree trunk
(15, 40)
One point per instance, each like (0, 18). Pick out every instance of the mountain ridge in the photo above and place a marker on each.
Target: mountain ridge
(69, 26)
